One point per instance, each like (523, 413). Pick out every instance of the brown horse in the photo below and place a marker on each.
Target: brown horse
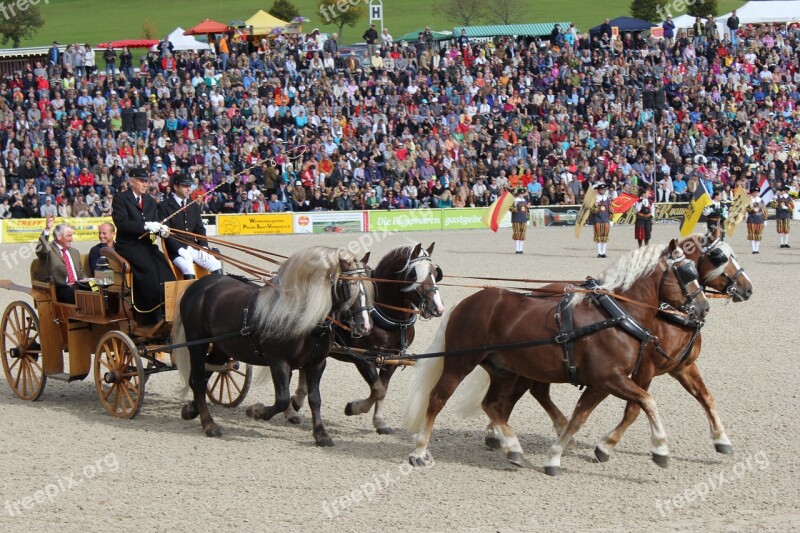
(283, 325)
(575, 340)
(719, 270)
(411, 278)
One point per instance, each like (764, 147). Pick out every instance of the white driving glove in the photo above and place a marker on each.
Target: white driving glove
(163, 231)
(152, 227)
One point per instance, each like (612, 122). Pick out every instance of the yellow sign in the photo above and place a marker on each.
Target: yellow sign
(586, 209)
(700, 200)
(738, 210)
(255, 224)
(17, 230)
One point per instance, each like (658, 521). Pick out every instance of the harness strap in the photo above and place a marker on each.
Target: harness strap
(564, 319)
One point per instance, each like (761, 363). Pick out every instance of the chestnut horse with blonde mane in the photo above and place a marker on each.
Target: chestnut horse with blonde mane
(495, 328)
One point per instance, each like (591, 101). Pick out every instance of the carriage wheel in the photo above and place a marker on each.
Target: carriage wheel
(119, 375)
(229, 387)
(22, 361)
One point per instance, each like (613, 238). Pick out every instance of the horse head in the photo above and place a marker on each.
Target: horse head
(718, 267)
(353, 294)
(423, 274)
(680, 284)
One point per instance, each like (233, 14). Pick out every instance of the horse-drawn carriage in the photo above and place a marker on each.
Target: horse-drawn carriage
(56, 340)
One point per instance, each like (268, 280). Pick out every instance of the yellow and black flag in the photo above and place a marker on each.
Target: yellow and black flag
(700, 200)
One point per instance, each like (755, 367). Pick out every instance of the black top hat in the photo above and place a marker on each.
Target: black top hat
(179, 178)
(785, 188)
(755, 188)
(138, 173)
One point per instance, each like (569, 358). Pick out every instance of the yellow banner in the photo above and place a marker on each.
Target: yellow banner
(700, 200)
(586, 209)
(17, 230)
(737, 211)
(255, 224)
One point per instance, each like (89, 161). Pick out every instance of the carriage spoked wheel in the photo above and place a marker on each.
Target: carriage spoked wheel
(119, 375)
(228, 386)
(22, 361)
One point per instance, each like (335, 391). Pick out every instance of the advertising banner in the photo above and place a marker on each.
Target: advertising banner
(16, 230)
(210, 222)
(255, 224)
(466, 218)
(330, 222)
(405, 220)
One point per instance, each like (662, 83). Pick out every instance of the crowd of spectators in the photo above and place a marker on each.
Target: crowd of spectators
(296, 124)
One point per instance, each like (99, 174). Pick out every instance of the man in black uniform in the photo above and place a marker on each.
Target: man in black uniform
(182, 255)
(134, 213)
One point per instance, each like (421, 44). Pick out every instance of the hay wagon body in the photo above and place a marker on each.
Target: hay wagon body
(99, 336)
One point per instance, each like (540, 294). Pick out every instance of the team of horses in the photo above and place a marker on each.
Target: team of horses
(640, 318)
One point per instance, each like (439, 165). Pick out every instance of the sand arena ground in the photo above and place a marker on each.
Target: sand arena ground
(158, 472)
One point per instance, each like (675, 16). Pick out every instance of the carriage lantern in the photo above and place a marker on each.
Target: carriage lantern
(103, 275)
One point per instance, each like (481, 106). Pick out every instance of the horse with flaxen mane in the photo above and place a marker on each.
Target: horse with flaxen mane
(284, 325)
(680, 341)
(559, 334)
(408, 290)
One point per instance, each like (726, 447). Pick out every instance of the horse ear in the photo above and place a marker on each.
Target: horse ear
(365, 259)
(417, 250)
(673, 244)
(430, 248)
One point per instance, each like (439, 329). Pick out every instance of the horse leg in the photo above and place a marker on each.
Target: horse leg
(691, 380)
(643, 378)
(313, 376)
(441, 392)
(300, 395)
(541, 391)
(515, 388)
(623, 387)
(381, 425)
(281, 378)
(590, 399)
(198, 379)
(497, 404)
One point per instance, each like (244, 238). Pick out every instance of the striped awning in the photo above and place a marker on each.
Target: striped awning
(522, 30)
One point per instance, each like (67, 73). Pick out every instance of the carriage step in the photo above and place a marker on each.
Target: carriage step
(63, 376)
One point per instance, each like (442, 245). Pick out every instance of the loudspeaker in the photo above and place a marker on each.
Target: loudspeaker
(127, 120)
(140, 121)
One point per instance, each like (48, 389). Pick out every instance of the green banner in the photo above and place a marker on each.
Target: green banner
(405, 220)
(466, 218)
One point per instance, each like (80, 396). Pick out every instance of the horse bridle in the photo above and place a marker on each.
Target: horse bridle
(342, 295)
(438, 275)
(718, 258)
(686, 273)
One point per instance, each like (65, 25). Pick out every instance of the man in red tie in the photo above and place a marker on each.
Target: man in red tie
(58, 260)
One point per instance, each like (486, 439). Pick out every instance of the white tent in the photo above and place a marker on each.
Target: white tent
(775, 11)
(185, 42)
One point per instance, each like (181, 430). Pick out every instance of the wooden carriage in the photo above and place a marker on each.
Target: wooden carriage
(57, 341)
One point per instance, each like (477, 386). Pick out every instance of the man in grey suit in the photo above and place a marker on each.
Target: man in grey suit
(58, 260)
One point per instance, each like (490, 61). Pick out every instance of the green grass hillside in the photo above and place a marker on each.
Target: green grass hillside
(95, 21)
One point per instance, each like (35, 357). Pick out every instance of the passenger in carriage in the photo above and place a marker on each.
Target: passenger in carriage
(106, 233)
(184, 256)
(135, 212)
(58, 260)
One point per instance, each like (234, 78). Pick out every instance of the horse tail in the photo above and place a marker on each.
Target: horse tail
(180, 356)
(426, 374)
(472, 391)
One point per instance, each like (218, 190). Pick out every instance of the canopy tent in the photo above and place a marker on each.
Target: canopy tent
(773, 12)
(625, 24)
(263, 23)
(520, 30)
(180, 41)
(206, 27)
(130, 43)
(437, 35)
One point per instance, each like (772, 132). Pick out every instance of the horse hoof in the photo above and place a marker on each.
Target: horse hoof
(661, 460)
(254, 411)
(493, 443)
(296, 405)
(324, 442)
(293, 420)
(188, 412)
(213, 431)
(348, 409)
(415, 460)
(515, 458)
(725, 449)
(385, 430)
(601, 455)
(552, 470)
